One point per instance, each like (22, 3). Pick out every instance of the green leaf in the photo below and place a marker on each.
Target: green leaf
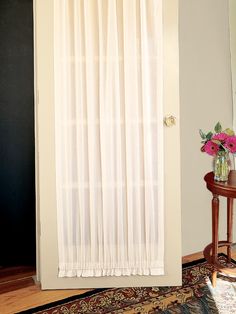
(230, 132)
(209, 135)
(218, 127)
(216, 142)
(203, 135)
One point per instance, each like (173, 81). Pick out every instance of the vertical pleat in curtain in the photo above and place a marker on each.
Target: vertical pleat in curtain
(109, 137)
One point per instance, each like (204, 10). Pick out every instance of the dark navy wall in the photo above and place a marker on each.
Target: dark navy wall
(17, 176)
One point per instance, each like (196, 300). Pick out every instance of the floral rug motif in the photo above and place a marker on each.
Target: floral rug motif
(195, 296)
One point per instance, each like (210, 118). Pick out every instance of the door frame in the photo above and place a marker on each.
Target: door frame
(47, 253)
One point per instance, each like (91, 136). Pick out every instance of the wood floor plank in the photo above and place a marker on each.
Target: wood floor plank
(17, 277)
(26, 298)
(11, 273)
(16, 284)
(199, 255)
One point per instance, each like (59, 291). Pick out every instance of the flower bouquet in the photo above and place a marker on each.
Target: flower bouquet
(219, 144)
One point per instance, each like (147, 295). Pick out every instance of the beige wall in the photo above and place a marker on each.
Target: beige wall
(232, 23)
(205, 98)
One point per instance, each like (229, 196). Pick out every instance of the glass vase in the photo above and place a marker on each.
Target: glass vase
(221, 166)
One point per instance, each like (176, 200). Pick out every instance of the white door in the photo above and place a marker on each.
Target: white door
(45, 147)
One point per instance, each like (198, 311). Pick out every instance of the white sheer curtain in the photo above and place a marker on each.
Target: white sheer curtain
(109, 137)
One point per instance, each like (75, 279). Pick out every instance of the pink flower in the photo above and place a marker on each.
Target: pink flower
(211, 148)
(230, 144)
(220, 136)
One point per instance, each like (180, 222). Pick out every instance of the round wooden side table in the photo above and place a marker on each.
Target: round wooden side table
(226, 189)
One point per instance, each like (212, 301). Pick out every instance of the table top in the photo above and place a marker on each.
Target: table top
(227, 188)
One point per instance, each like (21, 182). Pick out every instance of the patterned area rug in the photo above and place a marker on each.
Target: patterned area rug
(195, 296)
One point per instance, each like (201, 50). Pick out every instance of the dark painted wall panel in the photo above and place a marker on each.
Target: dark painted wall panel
(17, 177)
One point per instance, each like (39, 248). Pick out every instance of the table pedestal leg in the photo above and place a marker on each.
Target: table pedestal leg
(229, 225)
(215, 227)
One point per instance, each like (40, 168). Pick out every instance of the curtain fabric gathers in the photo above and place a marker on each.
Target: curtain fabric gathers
(109, 137)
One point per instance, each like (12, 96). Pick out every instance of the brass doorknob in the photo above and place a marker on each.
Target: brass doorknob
(169, 120)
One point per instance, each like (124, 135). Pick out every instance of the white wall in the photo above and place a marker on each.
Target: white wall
(205, 98)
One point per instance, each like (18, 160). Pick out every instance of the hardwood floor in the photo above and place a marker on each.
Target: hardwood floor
(29, 297)
(19, 291)
(24, 293)
(196, 256)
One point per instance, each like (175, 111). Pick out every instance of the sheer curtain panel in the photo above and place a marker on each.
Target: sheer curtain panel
(109, 137)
